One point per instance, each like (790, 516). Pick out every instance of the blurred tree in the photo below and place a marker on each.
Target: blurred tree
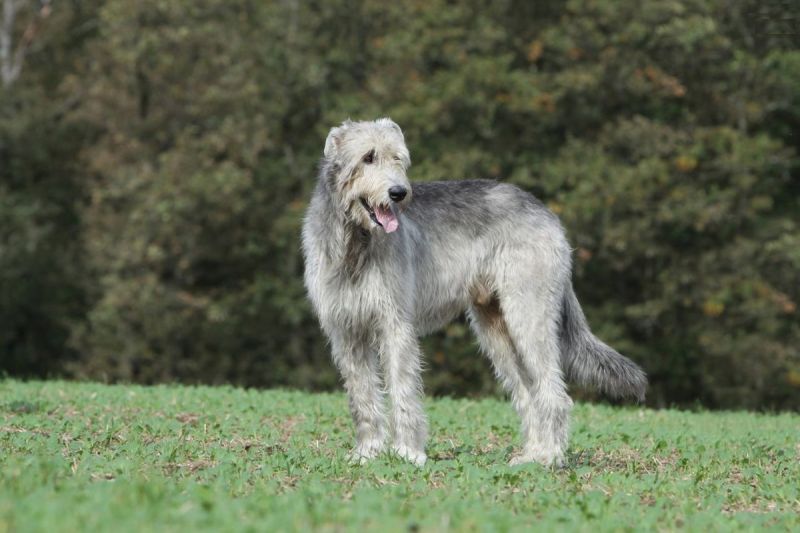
(663, 133)
(13, 51)
(197, 197)
(683, 206)
(42, 280)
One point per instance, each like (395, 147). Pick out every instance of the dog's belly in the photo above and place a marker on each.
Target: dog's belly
(430, 320)
(440, 299)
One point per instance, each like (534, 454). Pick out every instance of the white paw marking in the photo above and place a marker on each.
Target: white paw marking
(411, 455)
(365, 451)
(543, 457)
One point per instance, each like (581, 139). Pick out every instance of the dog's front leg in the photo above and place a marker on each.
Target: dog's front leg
(400, 355)
(358, 364)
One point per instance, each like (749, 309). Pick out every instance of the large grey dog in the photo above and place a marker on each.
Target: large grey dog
(387, 262)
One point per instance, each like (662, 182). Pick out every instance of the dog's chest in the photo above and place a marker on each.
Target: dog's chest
(354, 303)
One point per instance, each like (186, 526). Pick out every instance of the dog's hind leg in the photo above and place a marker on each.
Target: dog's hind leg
(358, 364)
(400, 355)
(489, 326)
(532, 320)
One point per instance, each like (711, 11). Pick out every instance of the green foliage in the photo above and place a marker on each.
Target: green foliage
(197, 203)
(42, 276)
(698, 205)
(663, 134)
(39, 285)
(78, 456)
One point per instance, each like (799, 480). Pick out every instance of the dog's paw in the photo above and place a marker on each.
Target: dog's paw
(365, 451)
(356, 458)
(411, 455)
(543, 457)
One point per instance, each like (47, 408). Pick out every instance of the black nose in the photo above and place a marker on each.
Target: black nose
(397, 193)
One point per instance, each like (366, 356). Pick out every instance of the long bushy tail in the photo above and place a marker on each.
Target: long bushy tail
(587, 360)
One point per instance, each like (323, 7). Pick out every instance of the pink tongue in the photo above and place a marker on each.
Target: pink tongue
(386, 218)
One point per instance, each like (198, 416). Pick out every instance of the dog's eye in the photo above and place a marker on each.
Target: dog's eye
(397, 158)
(369, 157)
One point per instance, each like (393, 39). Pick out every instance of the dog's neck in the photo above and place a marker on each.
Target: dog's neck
(346, 244)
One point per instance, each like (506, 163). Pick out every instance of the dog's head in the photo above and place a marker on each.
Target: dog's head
(366, 164)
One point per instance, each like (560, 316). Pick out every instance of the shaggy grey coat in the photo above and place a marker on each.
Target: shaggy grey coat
(387, 262)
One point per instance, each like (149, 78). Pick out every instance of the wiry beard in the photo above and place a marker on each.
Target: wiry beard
(357, 242)
(349, 236)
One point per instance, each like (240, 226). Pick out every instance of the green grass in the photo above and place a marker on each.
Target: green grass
(127, 458)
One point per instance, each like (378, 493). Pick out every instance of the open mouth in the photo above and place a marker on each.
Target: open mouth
(370, 211)
(382, 215)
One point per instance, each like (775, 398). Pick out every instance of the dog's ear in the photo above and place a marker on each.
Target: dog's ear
(332, 142)
(335, 138)
(386, 121)
(404, 155)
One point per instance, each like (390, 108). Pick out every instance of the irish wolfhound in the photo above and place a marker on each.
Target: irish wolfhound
(387, 262)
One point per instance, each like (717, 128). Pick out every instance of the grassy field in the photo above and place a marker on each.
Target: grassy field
(83, 457)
